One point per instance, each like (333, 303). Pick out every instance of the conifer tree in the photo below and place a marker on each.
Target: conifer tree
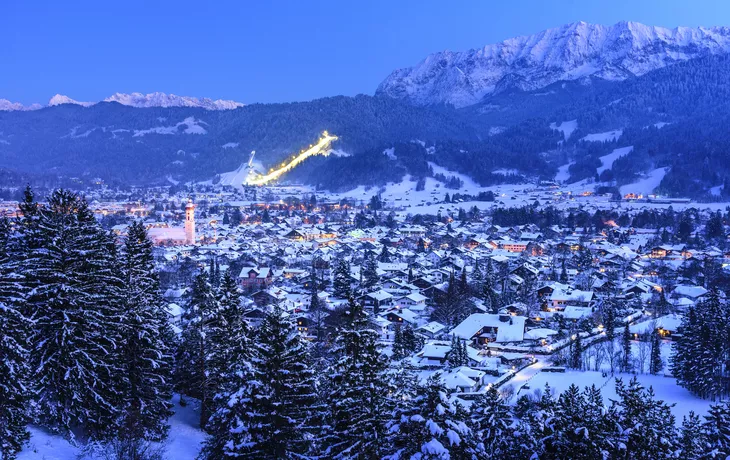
(14, 347)
(692, 440)
(146, 356)
(492, 423)
(647, 426)
(370, 271)
(193, 367)
(626, 347)
(576, 352)
(360, 408)
(75, 307)
(341, 282)
(436, 428)
(655, 358)
(716, 430)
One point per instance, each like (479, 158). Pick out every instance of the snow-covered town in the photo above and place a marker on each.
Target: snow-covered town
(376, 230)
(525, 295)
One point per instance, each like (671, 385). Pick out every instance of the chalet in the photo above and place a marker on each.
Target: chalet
(434, 353)
(377, 300)
(431, 330)
(463, 379)
(559, 299)
(255, 277)
(402, 316)
(482, 328)
(414, 301)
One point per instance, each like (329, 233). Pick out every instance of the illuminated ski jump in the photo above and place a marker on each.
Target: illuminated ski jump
(322, 147)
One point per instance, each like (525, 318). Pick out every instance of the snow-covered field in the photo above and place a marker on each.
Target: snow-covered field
(184, 443)
(603, 137)
(566, 127)
(607, 160)
(646, 185)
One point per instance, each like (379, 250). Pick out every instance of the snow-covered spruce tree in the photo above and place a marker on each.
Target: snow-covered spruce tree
(436, 428)
(655, 356)
(626, 362)
(14, 350)
(370, 271)
(341, 282)
(646, 427)
(716, 429)
(703, 347)
(577, 429)
(692, 440)
(493, 426)
(146, 359)
(230, 337)
(275, 414)
(192, 365)
(360, 408)
(232, 362)
(75, 304)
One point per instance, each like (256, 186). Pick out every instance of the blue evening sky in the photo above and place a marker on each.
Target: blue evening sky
(270, 50)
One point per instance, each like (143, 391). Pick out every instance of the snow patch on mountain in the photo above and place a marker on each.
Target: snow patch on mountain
(607, 160)
(569, 52)
(390, 153)
(192, 126)
(604, 137)
(566, 127)
(230, 145)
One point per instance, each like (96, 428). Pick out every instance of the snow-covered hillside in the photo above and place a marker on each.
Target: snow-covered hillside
(569, 52)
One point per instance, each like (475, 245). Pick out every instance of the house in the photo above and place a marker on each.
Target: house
(431, 330)
(463, 379)
(559, 299)
(402, 316)
(255, 278)
(414, 301)
(377, 300)
(434, 353)
(482, 328)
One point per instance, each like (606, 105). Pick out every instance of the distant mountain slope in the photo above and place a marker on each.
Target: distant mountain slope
(570, 52)
(140, 145)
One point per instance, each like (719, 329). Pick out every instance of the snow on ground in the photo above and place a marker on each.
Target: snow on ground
(604, 137)
(646, 185)
(607, 160)
(506, 172)
(390, 153)
(192, 126)
(230, 145)
(237, 177)
(185, 441)
(339, 153)
(563, 173)
(566, 127)
(665, 388)
(469, 185)
(716, 191)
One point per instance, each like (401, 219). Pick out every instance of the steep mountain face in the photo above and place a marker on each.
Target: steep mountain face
(571, 52)
(133, 100)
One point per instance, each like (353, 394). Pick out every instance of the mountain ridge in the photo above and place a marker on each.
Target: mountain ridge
(138, 100)
(569, 52)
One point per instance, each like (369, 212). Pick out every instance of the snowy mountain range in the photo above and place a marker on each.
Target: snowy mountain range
(156, 99)
(570, 52)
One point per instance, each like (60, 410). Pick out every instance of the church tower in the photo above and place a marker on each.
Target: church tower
(190, 223)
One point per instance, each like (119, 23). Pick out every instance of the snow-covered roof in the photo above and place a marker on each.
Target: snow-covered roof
(509, 328)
